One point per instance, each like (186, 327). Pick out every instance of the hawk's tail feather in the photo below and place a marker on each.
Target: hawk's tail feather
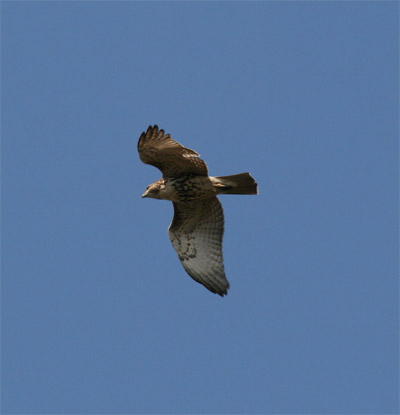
(238, 184)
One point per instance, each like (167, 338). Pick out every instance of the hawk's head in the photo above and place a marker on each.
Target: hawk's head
(153, 190)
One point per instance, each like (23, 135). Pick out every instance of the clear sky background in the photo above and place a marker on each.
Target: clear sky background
(98, 315)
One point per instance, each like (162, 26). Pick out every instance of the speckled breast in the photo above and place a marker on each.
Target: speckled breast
(192, 188)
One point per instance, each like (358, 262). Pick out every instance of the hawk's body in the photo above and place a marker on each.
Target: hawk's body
(184, 189)
(197, 229)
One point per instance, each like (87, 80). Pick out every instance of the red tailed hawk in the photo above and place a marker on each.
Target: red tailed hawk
(197, 229)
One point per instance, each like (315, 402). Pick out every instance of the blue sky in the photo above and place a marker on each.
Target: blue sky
(98, 315)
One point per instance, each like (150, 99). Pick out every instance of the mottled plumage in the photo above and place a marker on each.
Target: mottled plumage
(197, 229)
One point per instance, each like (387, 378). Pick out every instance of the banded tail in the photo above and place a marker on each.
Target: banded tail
(238, 184)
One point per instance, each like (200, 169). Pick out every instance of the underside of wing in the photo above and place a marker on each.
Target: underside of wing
(196, 233)
(160, 150)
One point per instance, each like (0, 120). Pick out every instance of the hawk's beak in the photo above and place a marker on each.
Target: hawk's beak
(144, 194)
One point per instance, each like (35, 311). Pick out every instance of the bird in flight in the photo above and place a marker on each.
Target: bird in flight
(197, 228)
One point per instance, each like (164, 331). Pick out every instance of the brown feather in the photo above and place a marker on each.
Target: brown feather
(196, 233)
(172, 158)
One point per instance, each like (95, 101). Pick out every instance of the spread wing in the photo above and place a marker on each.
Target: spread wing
(196, 233)
(160, 150)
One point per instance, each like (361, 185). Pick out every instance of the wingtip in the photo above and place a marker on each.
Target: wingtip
(146, 135)
(220, 291)
(152, 129)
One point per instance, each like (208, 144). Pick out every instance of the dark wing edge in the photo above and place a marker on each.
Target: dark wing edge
(172, 158)
(196, 233)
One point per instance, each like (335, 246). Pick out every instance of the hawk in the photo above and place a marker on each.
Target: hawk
(197, 228)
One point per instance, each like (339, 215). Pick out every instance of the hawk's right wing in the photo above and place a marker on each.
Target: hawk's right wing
(160, 150)
(196, 233)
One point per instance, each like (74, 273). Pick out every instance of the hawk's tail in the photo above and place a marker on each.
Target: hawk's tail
(238, 184)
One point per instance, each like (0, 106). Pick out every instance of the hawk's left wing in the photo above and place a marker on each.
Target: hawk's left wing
(172, 158)
(196, 233)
